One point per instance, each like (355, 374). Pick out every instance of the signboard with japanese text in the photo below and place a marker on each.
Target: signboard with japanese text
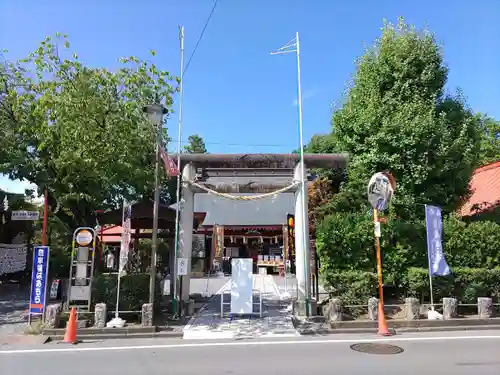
(39, 277)
(25, 215)
(219, 253)
(290, 219)
(126, 237)
(182, 266)
(81, 268)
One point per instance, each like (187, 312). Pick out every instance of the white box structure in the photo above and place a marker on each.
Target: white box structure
(241, 286)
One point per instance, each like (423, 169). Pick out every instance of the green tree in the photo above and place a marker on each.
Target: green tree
(196, 145)
(490, 140)
(397, 117)
(322, 144)
(79, 131)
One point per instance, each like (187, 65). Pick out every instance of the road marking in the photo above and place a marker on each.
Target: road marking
(246, 343)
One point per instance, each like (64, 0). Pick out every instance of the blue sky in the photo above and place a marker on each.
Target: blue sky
(237, 96)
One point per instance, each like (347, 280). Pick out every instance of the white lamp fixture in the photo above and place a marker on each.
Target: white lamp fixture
(155, 113)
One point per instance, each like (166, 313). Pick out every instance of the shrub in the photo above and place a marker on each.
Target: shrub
(465, 284)
(345, 242)
(475, 245)
(352, 287)
(134, 291)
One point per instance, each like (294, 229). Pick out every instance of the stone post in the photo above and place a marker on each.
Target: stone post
(450, 308)
(52, 315)
(373, 308)
(412, 308)
(186, 226)
(302, 256)
(100, 315)
(332, 311)
(484, 307)
(147, 315)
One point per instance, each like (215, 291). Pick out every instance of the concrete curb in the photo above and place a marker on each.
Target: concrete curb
(119, 336)
(396, 331)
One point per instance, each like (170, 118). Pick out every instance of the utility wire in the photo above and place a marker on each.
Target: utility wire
(198, 41)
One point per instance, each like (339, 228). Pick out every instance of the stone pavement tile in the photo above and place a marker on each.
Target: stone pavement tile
(275, 322)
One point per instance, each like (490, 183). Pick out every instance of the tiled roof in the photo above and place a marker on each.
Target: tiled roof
(485, 186)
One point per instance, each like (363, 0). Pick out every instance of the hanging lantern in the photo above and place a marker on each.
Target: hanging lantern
(276, 240)
(231, 238)
(244, 240)
(261, 240)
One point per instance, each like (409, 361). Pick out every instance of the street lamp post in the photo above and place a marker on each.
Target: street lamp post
(294, 46)
(155, 113)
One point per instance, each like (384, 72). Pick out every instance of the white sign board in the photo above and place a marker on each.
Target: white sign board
(241, 286)
(380, 191)
(182, 266)
(25, 215)
(84, 237)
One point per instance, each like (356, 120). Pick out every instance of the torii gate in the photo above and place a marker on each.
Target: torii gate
(264, 174)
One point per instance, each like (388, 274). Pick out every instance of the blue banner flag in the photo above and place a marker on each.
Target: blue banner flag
(434, 227)
(39, 275)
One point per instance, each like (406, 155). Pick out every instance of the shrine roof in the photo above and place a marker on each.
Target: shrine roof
(262, 212)
(336, 161)
(485, 187)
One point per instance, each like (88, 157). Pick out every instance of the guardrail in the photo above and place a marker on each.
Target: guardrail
(254, 292)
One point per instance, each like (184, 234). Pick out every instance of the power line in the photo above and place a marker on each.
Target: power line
(199, 40)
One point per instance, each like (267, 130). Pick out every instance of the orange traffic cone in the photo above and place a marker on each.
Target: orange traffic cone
(70, 335)
(383, 330)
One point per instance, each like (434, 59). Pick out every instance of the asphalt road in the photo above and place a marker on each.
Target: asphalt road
(458, 354)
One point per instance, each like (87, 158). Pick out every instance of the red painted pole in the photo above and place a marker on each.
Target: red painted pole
(45, 217)
(101, 242)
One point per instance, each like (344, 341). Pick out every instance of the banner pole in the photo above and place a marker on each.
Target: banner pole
(119, 266)
(430, 266)
(379, 258)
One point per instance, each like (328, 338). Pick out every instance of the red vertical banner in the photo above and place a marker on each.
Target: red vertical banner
(171, 168)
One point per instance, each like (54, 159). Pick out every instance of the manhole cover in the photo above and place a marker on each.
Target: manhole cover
(370, 348)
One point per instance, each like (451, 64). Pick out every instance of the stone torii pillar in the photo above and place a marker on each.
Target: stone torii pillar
(302, 255)
(186, 227)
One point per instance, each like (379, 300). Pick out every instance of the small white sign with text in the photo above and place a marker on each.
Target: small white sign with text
(25, 215)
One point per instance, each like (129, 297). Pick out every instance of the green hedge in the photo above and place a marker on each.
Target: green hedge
(352, 287)
(344, 242)
(134, 291)
(465, 284)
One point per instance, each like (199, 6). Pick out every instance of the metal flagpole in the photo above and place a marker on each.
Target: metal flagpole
(178, 193)
(430, 270)
(305, 221)
(285, 251)
(294, 46)
(120, 266)
(123, 255)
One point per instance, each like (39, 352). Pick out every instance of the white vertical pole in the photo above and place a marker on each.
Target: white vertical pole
(178, 193)
(120, 266)
(284, 230)
(305, 221)
(430, 269)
